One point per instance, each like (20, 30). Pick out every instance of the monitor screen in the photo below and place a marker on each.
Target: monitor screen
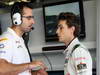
(52, 10)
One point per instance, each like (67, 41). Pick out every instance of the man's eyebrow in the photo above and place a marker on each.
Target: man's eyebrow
(59, 25)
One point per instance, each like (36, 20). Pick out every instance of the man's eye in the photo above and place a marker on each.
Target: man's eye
(61, 27)
(28, 18)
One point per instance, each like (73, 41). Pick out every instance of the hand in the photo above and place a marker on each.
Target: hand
(40, 72)
(37, 65)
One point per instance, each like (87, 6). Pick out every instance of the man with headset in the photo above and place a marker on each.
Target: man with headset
(13, 53)
(78, 60)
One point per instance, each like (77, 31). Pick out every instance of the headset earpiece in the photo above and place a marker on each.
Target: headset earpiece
(16, 18)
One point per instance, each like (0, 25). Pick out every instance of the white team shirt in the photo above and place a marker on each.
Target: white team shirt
(79, 62)
(12, 48)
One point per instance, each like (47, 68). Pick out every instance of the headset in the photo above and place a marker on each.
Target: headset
(16, 15)
(17, 19)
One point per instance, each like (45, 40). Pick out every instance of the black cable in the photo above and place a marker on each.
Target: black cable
(48, 61)
(26, 39)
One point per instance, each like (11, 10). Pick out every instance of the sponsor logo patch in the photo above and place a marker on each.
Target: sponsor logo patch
(81, 66)
(17, 41)
(2, 51)
(68, 74)
(19, 46)
(3, 39)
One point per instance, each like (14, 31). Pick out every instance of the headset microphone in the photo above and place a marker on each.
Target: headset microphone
(32, 28)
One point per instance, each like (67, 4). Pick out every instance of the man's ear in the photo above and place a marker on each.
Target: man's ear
(73, 29)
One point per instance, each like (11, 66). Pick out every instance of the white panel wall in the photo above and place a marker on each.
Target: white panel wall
(5, 21)
(98, 37)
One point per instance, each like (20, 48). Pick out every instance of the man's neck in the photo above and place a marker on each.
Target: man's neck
(68, 42)
(17, 31)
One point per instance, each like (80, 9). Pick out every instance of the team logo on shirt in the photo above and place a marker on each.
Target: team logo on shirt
(66, 60)
(3, 39)
(1, 45)
(81, 66)
(17, 41)
(19, 45)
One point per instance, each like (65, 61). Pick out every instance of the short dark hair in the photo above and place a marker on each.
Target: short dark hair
(18, 7)
(71, 20)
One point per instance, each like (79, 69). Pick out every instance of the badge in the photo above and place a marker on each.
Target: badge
(81, 66)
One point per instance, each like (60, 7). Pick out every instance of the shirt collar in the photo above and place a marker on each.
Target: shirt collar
(10, 30)
(71, 45)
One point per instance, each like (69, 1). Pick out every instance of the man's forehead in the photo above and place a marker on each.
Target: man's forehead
(62, 21)
(27, 10)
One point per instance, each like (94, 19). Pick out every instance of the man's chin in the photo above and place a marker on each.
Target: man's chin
(28, 30)
(61, 40)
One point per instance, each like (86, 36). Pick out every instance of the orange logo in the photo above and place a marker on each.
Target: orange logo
(3, 39)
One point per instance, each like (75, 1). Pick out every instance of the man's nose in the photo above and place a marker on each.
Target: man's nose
(33, 21)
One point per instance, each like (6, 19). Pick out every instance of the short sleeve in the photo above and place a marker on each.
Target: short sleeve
(82, 61)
